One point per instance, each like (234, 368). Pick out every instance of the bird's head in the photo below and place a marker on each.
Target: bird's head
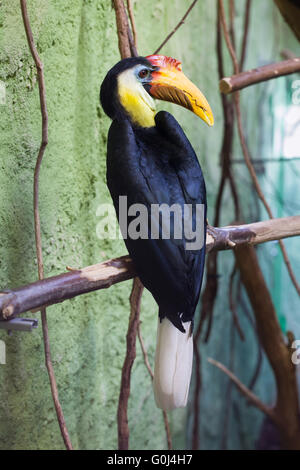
(130, 86)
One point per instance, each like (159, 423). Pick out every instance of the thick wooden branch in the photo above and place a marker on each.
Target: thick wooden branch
(272, 340)
(252, 234)
(122, 28)
(260, 74)
(65, 286)
(290, 11)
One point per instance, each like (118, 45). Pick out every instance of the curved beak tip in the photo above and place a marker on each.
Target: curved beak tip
(209, 119)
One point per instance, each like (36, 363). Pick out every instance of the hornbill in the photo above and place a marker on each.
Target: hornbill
(151, 162)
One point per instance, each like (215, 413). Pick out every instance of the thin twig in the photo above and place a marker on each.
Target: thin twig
(133, 50)
(135, 309)
(167, 428)
(144, 351)
(287, 54)
(197, 391)
(132, 22)
(227, 36)
(37, 224)
(228, 391)
(245, 147)
(147, 364)
(258, 366)
(245, 35)
(231, 20)
(181, 22)
(251, 397)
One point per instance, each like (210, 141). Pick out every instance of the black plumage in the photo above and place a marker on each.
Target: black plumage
(152, 163)
(155, 166)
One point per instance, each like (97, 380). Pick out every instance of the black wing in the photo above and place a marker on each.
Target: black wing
(153, 167)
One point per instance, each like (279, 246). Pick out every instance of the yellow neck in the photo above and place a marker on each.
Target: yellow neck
(135, 100)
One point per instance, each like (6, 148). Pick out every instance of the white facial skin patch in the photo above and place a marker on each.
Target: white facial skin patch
(134, 98)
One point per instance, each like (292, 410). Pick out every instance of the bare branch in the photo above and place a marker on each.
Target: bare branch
(260, 74)
(231, 20)
(251, 397)
(167, 428)
(133, 49)
(181, 22)
(135, 309)
(272, 340)
(145, 354)
(132, 22)
(227, 37)
(122, 28)
(37, 224)
(246, 31)
(291, 13)
(65, 286)
(232, 305)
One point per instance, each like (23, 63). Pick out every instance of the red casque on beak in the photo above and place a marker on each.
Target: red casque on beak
(170, 84)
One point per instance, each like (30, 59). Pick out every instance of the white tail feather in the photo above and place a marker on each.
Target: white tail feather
(173, 365)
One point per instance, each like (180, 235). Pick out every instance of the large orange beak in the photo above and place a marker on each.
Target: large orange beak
(170, 84)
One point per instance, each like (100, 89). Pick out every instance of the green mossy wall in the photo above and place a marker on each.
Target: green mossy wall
(77, 43)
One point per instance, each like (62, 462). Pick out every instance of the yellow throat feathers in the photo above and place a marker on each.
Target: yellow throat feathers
(135, 100)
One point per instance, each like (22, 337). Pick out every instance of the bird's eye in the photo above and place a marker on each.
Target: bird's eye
(144, 73)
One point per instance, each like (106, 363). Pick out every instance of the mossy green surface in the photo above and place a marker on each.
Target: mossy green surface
(77, 43)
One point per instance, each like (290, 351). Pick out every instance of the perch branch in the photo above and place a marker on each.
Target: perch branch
(181, 22)
(260, 74)
(135, 309)
(65, 286)
(147, 364)
(37, 224)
